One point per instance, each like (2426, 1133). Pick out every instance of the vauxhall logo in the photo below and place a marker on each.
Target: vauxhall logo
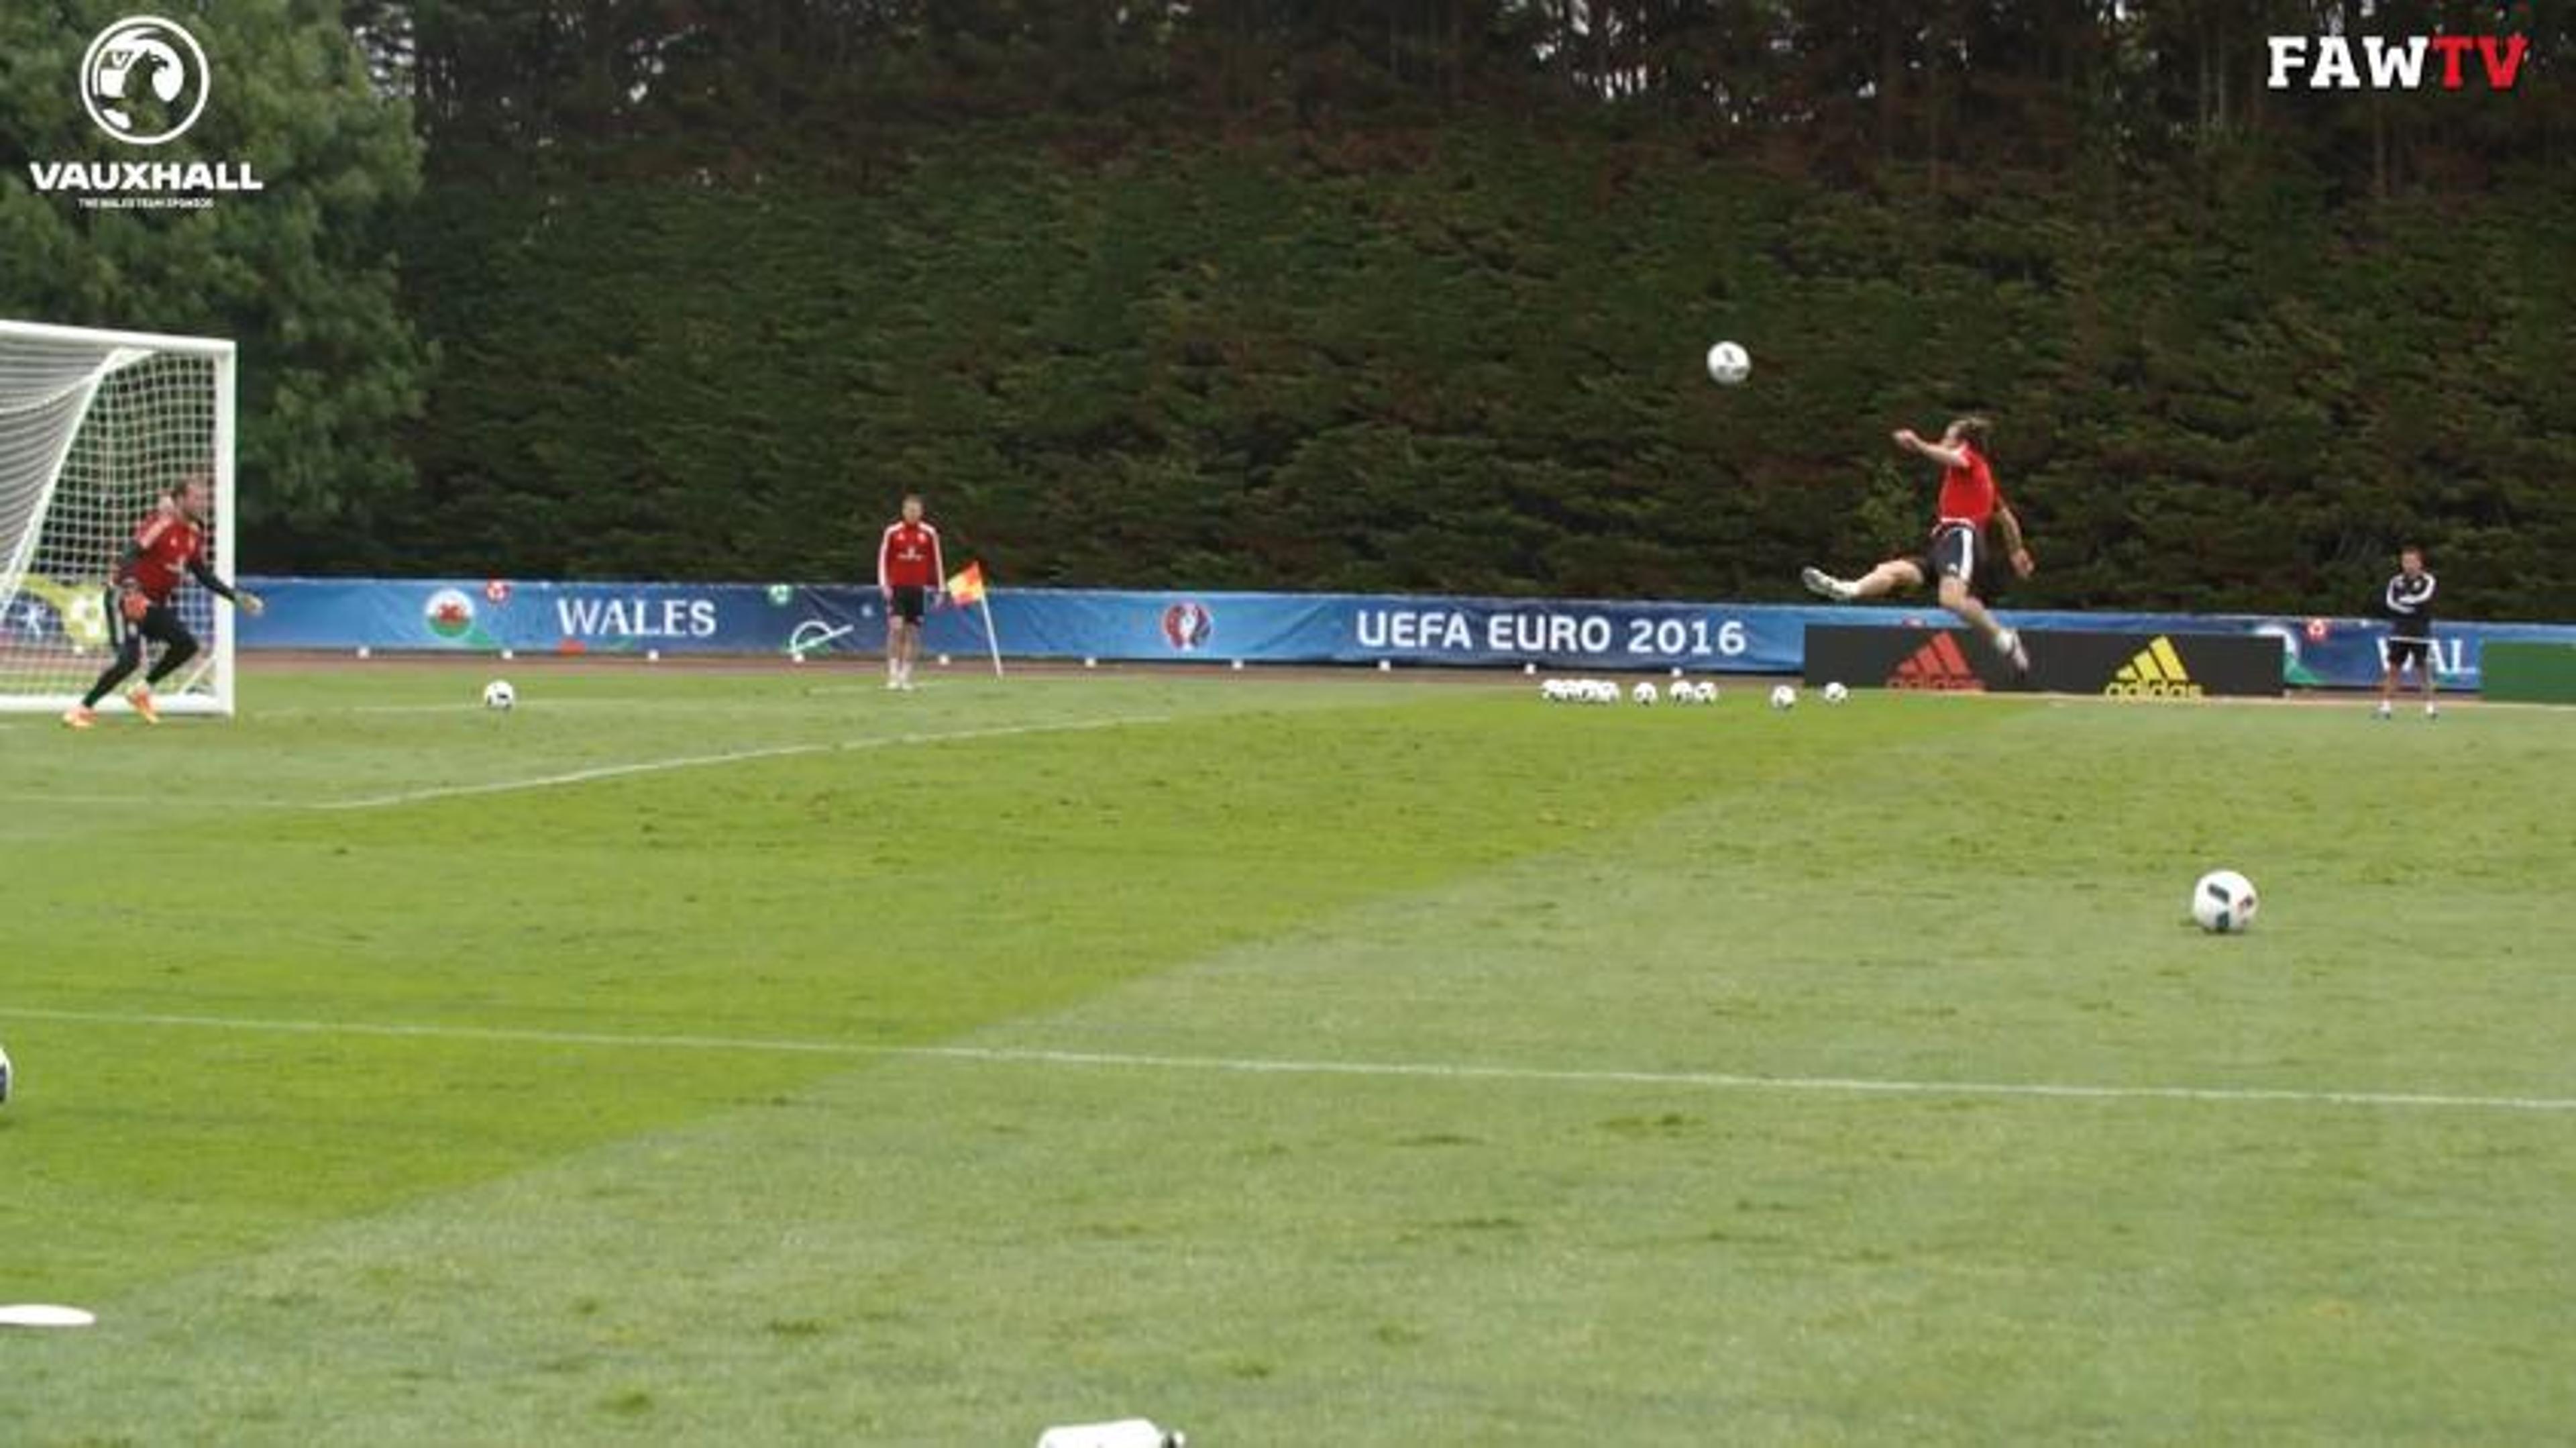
(137, 61)
(144, 81)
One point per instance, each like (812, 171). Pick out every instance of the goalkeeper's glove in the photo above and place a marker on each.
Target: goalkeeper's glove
(248, 602)
(133, 605)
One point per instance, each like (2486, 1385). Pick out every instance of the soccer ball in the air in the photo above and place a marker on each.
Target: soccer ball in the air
(1644, 693)
(1835, 693)
(1783, 697)
(499, 695)
(2223, 902)
(1729, 364)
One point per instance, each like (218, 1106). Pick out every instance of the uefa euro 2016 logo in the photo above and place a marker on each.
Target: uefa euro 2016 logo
(1187, 625)
(144, 80)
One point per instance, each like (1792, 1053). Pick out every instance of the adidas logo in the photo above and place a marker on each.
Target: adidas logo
(2156, 673)
(1937, 665)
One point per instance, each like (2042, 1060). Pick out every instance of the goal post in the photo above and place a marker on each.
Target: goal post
(94, 427)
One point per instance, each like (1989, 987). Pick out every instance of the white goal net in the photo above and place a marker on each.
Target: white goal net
(94, 427)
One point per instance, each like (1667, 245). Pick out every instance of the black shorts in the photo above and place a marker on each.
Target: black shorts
(905, 601)
(1951, 554)
(2398, 651)
(160, 624)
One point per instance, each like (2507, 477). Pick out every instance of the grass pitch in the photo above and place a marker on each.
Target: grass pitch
(762, 1057)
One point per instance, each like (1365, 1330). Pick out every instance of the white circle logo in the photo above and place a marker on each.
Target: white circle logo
(138, 57)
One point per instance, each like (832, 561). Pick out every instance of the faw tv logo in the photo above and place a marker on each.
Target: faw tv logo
(2395, 62)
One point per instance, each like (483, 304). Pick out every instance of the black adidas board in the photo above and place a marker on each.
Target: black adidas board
(2118, 665)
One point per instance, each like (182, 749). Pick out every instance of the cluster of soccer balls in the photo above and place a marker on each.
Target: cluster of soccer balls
(1680, 691)
(1606, 691)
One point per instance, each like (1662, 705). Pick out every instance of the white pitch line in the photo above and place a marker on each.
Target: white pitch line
(1260, 1066)
(161, 801)
(738, 756)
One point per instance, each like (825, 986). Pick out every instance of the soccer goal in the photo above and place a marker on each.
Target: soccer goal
(94, 427)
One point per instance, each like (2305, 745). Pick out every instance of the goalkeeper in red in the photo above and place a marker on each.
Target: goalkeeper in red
(139, 609)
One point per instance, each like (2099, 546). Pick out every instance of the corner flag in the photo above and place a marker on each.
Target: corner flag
(966, 586)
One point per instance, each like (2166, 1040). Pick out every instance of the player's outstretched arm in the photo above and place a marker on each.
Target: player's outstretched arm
(1947, 454)
(241, 598)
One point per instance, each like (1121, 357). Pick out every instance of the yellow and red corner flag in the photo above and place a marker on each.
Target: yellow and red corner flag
(966, 586)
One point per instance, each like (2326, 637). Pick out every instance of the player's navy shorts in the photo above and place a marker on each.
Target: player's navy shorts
(1952, 554)
(907, 601)
(2400, 650)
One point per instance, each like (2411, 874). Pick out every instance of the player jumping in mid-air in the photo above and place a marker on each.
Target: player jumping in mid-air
(2408, 606)
(139, 612)
(1969, 499)
(909, 572)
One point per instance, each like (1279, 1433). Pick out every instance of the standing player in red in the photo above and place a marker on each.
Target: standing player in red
(170, 542)
(1969, 498)
(909, 572)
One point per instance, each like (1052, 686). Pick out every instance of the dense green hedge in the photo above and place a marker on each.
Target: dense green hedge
(1467, 359)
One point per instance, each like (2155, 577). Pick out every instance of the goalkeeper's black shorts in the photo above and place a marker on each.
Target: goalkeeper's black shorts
(160, 624)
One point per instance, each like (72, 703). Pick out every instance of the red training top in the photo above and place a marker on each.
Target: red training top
(163, 548)
(1968, 493)
(909, 557)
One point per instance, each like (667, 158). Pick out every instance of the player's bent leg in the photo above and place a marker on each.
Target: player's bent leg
(181, 647)
(1972, 610)
(1954, 596)
(1896, 575)
(178, 646)
(129, 657)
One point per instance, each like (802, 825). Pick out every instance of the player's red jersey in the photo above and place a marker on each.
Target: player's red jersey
(909, 557)
(1968, 493)
(164, 547)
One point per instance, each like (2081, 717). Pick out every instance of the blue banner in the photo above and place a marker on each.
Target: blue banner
(488, 616)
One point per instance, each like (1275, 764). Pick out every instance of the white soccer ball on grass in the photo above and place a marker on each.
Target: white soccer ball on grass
(499, 696)
(1784, 696)
(1835, 693)
(1644, 693)
(2224, 902)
